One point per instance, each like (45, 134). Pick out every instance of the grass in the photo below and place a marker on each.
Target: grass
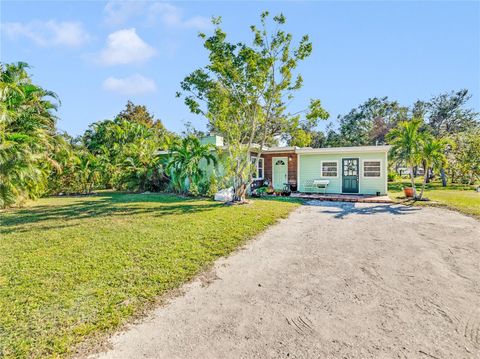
(461, 198)
(74, 268)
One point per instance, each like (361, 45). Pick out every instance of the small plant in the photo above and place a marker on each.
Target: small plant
(393, 176)
(212, 187)
(193, 190)
(260, 192)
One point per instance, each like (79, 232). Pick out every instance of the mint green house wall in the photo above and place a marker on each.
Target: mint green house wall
(309, 168)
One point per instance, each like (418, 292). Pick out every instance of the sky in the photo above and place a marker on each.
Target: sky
(96, 55)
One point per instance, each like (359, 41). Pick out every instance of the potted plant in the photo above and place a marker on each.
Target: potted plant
(409, 192)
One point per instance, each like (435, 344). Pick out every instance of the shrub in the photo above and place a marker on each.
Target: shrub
(212, 187)
(393, 176)
(193, 190)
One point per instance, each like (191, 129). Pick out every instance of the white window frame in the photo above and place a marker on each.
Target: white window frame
(372, 160)
(321, 169)
(261, 159)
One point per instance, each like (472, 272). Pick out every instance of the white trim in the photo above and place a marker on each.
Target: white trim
(352, 150)
(321, 169)
(371, 160)
(298, 173)
(263, 167)
(274, 159)
(386, 173)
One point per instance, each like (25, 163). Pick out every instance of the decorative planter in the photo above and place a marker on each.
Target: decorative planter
(408, 191)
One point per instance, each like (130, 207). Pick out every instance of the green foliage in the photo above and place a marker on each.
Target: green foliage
(127, 149)
(369, 123)
(28, 137)
(462, 198)
(212, 187)
(187, 164)
(432, 154)
(244, 91)
(393, 176)
(447, 114)
(464, 159)
(405, 140)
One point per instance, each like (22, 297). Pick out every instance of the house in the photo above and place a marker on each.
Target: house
(361, 170)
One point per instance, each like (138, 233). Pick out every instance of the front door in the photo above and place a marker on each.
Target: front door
(280, 172)
(350, 175)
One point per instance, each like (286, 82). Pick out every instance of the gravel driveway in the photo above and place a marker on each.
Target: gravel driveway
(334, 280)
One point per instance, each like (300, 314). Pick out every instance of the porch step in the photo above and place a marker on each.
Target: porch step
(343, 197)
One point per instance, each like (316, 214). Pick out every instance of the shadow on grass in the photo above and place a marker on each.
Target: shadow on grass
(342, 209)
(101, 205)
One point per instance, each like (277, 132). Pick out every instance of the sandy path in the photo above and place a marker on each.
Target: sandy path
(331, 281)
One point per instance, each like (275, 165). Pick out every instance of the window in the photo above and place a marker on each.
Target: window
(259, 173)
(372, 169)
(329, 169)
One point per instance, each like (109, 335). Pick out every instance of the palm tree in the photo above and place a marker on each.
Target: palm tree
(185, 163)
(432, 154)
(88, 171)
(27, 135)
(405, 140)
(142, 165)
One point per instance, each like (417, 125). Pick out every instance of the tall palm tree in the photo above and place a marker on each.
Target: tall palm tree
(432, 154)
(405, 140)
(185, 163)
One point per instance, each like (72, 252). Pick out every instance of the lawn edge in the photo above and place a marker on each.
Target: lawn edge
(433, 204)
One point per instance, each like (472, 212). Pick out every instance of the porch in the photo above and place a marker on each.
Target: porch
(362, 198)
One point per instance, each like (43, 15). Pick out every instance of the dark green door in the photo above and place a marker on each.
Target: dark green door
(350, 175)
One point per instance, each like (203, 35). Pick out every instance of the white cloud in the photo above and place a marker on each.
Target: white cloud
(119, 12)
(49, 33)
(172, 16)
(131, 85)
(125, 47)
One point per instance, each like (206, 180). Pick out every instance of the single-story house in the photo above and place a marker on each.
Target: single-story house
(361, 169)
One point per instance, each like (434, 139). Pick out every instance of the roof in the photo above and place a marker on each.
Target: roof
(353, 149)
(310, 150)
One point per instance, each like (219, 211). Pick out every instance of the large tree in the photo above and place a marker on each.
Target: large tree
(244, 92)
(464, 158)
(114, 141)
(447, 113)
(369, 123)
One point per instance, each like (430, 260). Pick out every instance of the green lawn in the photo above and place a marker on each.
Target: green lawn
(74, 268)
(458, 197)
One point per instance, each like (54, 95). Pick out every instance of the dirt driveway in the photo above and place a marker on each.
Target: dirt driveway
(331, 281)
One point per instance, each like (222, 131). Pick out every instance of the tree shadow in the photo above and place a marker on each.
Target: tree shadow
(101, 205)
(342, 209)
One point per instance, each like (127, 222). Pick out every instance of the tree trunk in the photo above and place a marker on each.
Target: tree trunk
(444, 177)
(425, 179)
(412, 178)
(240, 193)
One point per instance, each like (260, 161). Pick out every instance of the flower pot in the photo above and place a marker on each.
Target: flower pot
(408, 191)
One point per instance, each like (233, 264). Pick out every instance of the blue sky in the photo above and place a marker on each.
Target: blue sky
(96, 55)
